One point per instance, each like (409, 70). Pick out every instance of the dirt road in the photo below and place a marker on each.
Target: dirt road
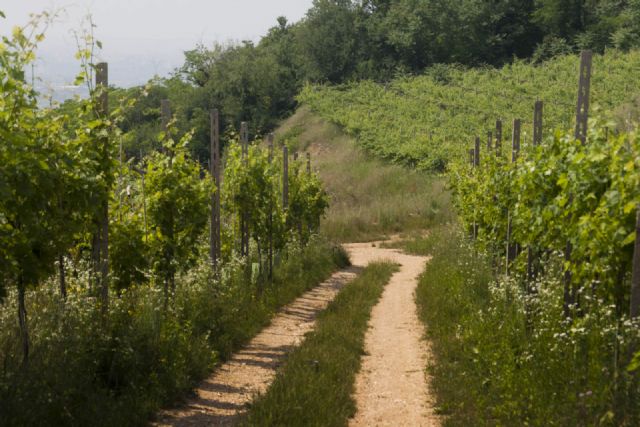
(391, 387)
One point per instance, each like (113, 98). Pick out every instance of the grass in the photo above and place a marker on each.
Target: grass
(315, 385)
(369, 199)
(502, 357)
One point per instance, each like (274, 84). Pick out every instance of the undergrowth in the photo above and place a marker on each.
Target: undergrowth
(83, 372)
(505, 358)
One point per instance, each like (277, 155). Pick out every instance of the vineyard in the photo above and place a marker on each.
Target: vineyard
(166, 256)
(125, 280)
(533, 301)
(422, 121)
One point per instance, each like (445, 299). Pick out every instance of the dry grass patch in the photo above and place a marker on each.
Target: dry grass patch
(370, 199)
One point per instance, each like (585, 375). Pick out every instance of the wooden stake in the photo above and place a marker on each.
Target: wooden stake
(102, 85)
(582, 119)
(285, 177)
(515, 142)
(244, 139)
(635, 277)
(498, 137)
(537, 123)
(215, 236)
(270, 249)
(244, 216)
(584, 86)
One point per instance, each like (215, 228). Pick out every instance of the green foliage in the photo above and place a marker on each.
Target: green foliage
(252, 185)
(563, 191)
(427, 121)
(508, 358)
(83, 373)
(178, 208)
(50, 169)
(316, 384)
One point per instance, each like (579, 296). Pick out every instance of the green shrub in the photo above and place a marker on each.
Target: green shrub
(83, 372)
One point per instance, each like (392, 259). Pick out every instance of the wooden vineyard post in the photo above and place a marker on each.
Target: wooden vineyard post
(165, 109)
(270, 139)
(512, 247)
(244, 139)
(582, 119)
(102, 86)
(285, 177)
(584, 87)
(537, 123)
(215, 238)
(165, 113)
(476, 157)
(244, 216)
(295, 156)
(476, 165)
(515, 142)
(634, 310)
(498, 137)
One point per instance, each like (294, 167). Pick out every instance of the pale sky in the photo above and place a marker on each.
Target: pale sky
(145, 37)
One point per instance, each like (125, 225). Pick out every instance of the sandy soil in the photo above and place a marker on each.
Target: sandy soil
(223, 398)
(391, 387)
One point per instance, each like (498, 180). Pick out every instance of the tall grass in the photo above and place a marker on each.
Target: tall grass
(370, 199)
(83, 372)
(315, 385)
(507, 358)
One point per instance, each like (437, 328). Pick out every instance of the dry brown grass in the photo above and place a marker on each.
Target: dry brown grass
(370, 199)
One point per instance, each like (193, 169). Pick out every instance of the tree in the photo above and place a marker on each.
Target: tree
(328, 40)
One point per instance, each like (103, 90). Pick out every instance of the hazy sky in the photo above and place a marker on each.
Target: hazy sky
(145, 37)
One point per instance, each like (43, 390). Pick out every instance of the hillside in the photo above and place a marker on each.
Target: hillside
(369, 198)
(427, 121)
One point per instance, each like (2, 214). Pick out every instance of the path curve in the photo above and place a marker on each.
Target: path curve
(391, 387)
(224, 397)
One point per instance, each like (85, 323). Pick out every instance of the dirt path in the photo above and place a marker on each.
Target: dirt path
(391, 388)
(223, 398)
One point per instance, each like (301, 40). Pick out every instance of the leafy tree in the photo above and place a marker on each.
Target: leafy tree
(329, 40)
